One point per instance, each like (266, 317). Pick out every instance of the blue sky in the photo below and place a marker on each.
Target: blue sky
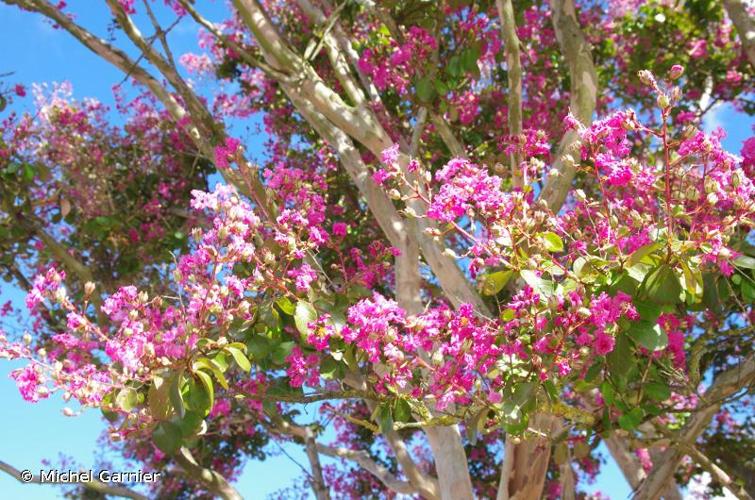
(29, 433)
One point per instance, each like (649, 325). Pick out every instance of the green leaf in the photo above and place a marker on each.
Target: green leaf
(608, 393)
(545, 288)
(285, 305)
(494, 282)
(304, 315)
(631, 420)
(240, 358)
(167, 437)
(213, 368)
(745, 261)
(158, 399)
(328, 367)
(642, 254)
(402, 412)
(209, 390)
(384, 417)
(127, 399)
(28, 172)
(662, 286)
(190, 424)
(425, 89)
(552, 241)
(282, 351)
(176, 399)
(259, 347)
(657, 391)
(648, 335)
(620, 360)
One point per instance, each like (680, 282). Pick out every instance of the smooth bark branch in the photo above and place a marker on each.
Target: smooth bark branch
(115, 56)
(737, 11)
(318, 483)
(197, 110)
(718, 474)
(514, 73)
(632, 469)
(450, 462)
(309, 91)
(94, 485)
(526, 463)
(449, 139)
(725, 385)
(583, 89)
(363, 459)
(210, 479)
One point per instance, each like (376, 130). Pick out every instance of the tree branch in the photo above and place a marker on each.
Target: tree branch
(725, 385)
(213, 481)
(717, 473)
(318, 483)
(363, 459)
(742, 19)
(583, 89)
(514, 73)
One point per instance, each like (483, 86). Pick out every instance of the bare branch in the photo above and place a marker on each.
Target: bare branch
(514, 67)
(717, 473)
(211, 480)
(318, 483)
(363, 459)
(743, 21)
(725, 385)
(583, 88)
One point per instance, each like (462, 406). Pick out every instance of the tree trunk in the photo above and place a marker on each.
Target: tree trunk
(525, 463)
(450, 462)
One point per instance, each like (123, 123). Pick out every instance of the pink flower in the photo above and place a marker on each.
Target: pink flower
(340, 229)
(304, 277)
(226, 152)
(698, 49)
(603, 344)
(30, 383)
(20, 90)
(302, 369)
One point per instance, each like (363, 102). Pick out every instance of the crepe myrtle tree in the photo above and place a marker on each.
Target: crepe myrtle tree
(484, 238)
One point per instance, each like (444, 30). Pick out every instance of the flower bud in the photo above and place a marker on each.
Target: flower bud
(676, 71)
(676, 94)
(663, 101)
(450, 253)
(712, 198)
(27, 338)
(394, 194)
(646, 77)
(736, 179)
(89, 288)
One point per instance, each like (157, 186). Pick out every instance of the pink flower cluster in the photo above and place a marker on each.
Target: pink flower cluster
(396, 68)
